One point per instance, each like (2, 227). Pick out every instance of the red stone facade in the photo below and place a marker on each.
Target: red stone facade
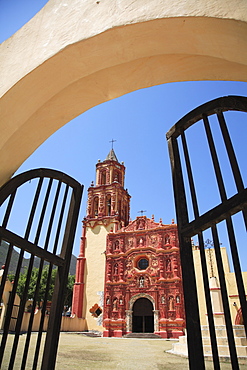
(142, 262)
(143, 286)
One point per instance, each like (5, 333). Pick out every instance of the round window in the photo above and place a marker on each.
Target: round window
(142, 264)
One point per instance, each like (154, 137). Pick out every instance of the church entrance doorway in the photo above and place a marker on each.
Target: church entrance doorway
(143, 316)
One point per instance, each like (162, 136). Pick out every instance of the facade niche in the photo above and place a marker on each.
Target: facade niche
(103, 177)
(96, 207)
(108, 205)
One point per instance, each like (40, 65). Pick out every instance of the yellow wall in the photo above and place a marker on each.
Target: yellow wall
(95, 272)
(230, 283)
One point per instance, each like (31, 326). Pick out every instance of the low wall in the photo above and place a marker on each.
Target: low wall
(67, 324)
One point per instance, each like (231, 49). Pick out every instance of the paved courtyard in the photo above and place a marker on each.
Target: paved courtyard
(77, 351)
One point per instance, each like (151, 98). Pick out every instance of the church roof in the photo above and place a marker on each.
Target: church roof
(111, 156)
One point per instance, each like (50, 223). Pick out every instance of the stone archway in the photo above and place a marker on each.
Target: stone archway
(70, 63)
(129, 312)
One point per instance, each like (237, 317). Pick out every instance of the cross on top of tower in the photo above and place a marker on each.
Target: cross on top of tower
(141, 212)
(112, 141)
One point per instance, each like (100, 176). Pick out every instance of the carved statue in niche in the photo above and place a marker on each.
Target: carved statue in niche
(162, 299)
(128, 273)
(141, 224)
(130, 243)
(153, 239)
(171, 303)
(141, 282)
(177, 299)
(108, 301)
(168, 265)
(116, 245)
(121, 300)
(116, 269)
(115, 302)
(141, 242)
(167, 239)
(147, 281)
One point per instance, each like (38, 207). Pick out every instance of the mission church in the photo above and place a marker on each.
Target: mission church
(128, 275)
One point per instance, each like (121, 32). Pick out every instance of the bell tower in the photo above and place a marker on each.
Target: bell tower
(108, 201)
(108, 208)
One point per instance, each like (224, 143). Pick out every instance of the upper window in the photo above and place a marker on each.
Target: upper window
(143, 264)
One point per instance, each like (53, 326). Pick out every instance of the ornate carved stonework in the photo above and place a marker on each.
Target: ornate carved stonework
(142, 261)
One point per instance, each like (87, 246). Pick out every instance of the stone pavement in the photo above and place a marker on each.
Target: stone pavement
(76, 351)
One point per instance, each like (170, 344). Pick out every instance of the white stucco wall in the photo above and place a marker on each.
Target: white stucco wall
(75, 54)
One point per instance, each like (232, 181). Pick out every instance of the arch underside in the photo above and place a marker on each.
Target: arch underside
(118, 61)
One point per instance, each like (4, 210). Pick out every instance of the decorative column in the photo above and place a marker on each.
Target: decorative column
(128, 321)
(216, 299)
(78, 291)
(161, 264)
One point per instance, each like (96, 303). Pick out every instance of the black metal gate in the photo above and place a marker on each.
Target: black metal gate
(40, 212)
(208, 132)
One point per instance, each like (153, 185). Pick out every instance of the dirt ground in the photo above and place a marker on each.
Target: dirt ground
(77, 351)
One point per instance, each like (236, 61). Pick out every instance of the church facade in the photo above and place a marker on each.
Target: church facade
(128, 276)
(143, 285)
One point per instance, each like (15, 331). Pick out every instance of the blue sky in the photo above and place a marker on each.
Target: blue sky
(138, 122)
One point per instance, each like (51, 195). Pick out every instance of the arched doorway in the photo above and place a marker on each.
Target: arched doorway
(143, 316)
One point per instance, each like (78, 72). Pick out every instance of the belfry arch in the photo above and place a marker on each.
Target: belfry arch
(73, 63)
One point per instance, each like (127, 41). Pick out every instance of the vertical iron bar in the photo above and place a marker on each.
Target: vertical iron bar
(213, 339)
(42, 319)
(6, 268)
(232, 158)
(52, 337)
(10, 306)
(194, 338)
(10, 249)
(11, 301)
(20, 315)
(49, 277)
(60, 221)
(30, 324)
(33, 209)
(30, 267)
(229, 329)
(237, 269)
(239, 184)
(43, 211)
(215, 160)
(48, 234)
(214, 346)
(230, 151)
(190, 176)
